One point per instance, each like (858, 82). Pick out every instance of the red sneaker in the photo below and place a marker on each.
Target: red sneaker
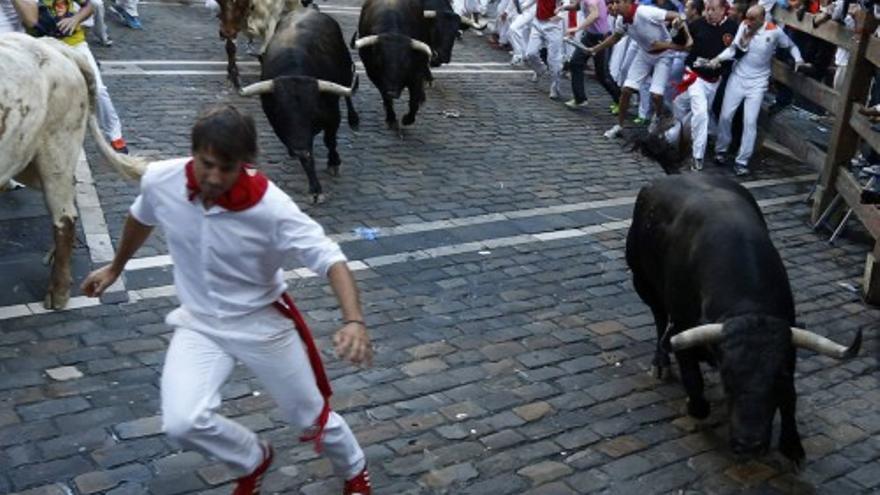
(119, 145)
(250, 484)
(359, 485)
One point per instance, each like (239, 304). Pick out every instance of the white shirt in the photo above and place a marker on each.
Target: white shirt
(648, 26)
(229, 263)
(9, 20)
(756, 63)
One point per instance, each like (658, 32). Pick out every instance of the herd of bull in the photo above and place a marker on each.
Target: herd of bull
(306, 67)
(698, 247)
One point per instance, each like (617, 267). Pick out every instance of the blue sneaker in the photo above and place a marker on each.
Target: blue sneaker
(740, 170)
(125, 18)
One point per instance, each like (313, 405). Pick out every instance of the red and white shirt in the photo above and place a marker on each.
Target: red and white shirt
(229, 263)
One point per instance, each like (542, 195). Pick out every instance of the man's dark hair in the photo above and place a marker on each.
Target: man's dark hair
(699, 6)
(226, 132)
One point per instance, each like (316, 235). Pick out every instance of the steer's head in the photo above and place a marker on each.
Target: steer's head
(292, 104)
(756, 361)
(756, 357)
(233, 17)
(395, 58)
(443, 29)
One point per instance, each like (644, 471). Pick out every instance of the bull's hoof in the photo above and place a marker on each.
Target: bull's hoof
(408, 119)
(56, 300)
(333, 170)
(698, 409)
(793, 451)
(318, 198)
(662, 373)
(392, 124)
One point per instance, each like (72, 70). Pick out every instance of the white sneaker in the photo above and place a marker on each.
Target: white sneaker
(516, 61)
(535, 77)
(613, 132)
(554, 92)
(654, 125)
(697, 164)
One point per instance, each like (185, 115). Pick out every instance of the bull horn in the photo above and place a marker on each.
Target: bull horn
(258, 88)
(336, 89)
(470, 22)
(827, 347)
(366, 41)
(421, 46)
(430, 14)
(701, 335)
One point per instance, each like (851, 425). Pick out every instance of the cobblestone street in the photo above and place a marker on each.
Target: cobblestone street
(512, 354)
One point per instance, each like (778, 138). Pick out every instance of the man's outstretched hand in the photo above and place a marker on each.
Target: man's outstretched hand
(353, 344)
(97, 282)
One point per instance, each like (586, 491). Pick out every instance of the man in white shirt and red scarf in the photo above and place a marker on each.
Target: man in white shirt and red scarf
(712, 33)
(229, 230)
(758, 41)
(647, 27)
(546, 33)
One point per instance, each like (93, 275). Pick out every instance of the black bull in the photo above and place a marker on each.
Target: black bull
(443, 27)
(702, 260)
(392, 40)
(305, 70)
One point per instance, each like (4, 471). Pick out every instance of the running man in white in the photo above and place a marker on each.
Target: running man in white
(758, 40)
(229, 229)
(546, 33)
(646, 26)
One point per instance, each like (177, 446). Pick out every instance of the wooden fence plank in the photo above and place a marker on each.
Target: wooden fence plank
(830, 31)
(851, 190)
(813, 90)
(873, 52)
(862, 125)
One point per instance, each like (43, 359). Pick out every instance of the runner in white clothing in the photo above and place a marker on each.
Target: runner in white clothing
(758, 40)
(646, 26)
(228, 231)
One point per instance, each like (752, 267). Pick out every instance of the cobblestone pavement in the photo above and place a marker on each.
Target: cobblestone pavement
(512, 352)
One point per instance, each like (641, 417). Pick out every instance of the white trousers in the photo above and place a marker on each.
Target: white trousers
(617, 65)
(130, 6)
(97, 21)
(741, 90)
(107, 116)
(520, 29)
(646, 65)
(200, 358)
(692, 108)
(546, 34)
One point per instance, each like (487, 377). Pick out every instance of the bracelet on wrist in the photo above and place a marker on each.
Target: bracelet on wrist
(359, 322)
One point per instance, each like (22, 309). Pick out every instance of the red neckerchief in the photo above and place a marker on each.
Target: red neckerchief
(247, 191)
(628, 16)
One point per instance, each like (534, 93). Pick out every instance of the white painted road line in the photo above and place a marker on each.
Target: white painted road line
(115, 63)
(94, 225)
(413, 228)
(18, 310)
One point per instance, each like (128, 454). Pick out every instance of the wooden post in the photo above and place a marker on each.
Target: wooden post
(844, 140)
(871, 283)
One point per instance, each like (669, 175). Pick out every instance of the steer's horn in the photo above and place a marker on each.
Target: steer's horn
(430, 14)
(701, 335)
(422, 47)
(366, 41)
(470, 22)
(336, 89)
(258, 88)
(827, 347)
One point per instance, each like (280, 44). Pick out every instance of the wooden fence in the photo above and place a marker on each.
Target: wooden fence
(836, 183)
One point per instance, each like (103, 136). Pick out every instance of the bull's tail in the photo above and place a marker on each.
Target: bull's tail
(131, 167)
(354, 37)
